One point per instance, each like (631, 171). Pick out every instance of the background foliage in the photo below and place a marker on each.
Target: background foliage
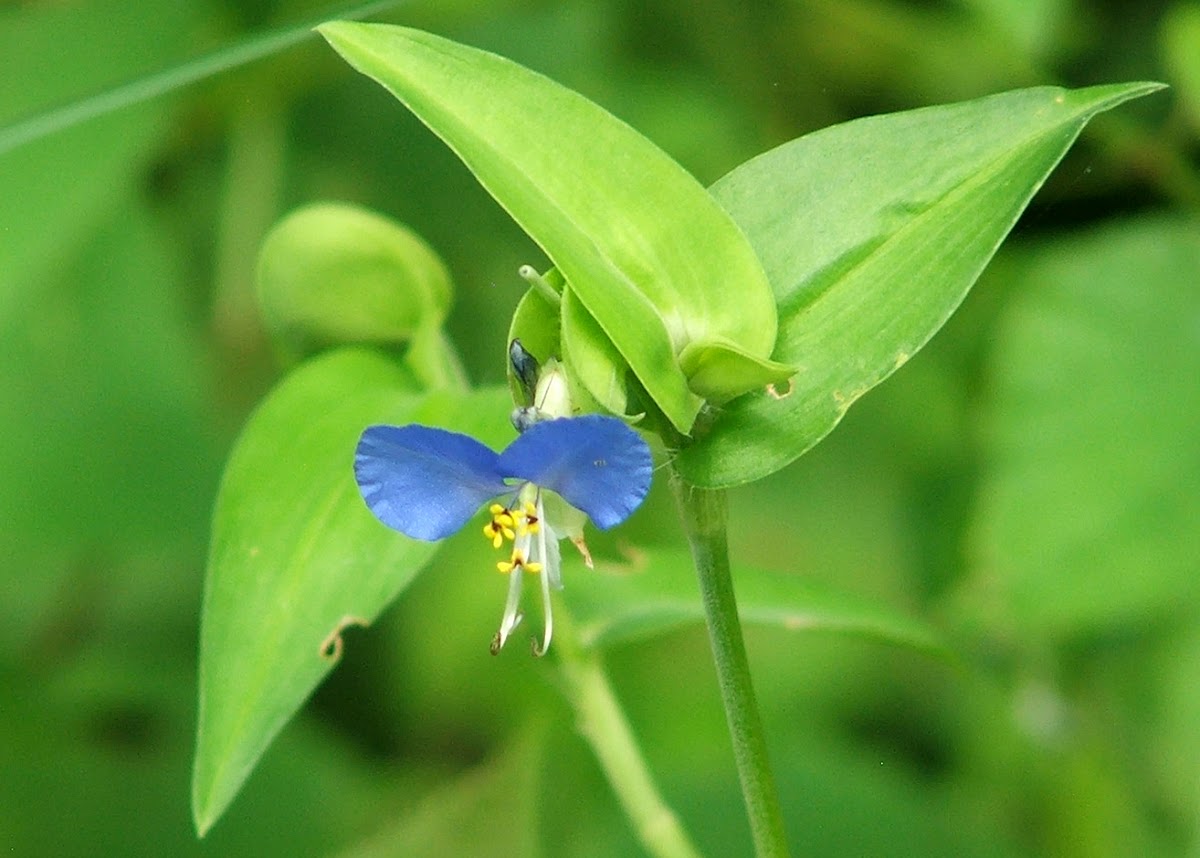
(1030, 483)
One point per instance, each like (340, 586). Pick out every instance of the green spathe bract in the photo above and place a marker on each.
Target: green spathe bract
(334, 274)
(338, 273)
(649, 255)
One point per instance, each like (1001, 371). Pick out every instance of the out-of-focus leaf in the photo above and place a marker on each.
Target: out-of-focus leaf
(105, 441)
(1174, 740)
(906, 52)
(1034, 26)
(102, 43)
(871, 233)
(296, 557)
(1181, 54)
(56, 192)
(339, 273)
(1089, 506)
(657, 592)
(648, 254)
(489, 811)
(114, 720)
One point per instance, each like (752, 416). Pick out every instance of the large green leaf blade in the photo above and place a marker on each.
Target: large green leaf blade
(646, 251)
(656, 593)
(296, 556)
(871, 233)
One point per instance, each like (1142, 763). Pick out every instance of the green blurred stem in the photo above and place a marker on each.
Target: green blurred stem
(601, 721)
(250, 202)
(229, 56)
(703, 512)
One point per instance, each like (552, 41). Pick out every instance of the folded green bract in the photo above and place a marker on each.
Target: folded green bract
(657, 275)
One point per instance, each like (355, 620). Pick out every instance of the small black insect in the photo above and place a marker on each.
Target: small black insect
(525, 367)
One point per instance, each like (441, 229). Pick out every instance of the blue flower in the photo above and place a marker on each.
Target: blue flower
(427, 483)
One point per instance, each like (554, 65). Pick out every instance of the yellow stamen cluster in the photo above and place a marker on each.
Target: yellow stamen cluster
(513, 525)
(508, 524)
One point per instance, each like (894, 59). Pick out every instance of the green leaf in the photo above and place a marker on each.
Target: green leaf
(337, 274)
(296, 556)
(871, 233)
(656, 592)
(651, 258)
(1088, 506)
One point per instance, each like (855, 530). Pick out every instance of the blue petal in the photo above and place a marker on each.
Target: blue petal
(425, 483)
(598, 464)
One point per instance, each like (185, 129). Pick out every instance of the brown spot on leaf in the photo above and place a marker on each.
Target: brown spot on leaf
(331, 648)
(774, 393)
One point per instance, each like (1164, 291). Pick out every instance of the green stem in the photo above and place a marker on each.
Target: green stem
(250, 202)
(229, 56)
(602, 723)
(704, 513)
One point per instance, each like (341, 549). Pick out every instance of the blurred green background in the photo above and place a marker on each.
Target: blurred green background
(1030, 483)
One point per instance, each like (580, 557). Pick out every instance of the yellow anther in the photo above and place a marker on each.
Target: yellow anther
(528, 520)
(500, 527)
(516, 561)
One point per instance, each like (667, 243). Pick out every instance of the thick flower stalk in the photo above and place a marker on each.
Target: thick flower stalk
(428, 483)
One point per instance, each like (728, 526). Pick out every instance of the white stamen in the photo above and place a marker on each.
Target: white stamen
(553, 559)
(550, 571)
(512, 616)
